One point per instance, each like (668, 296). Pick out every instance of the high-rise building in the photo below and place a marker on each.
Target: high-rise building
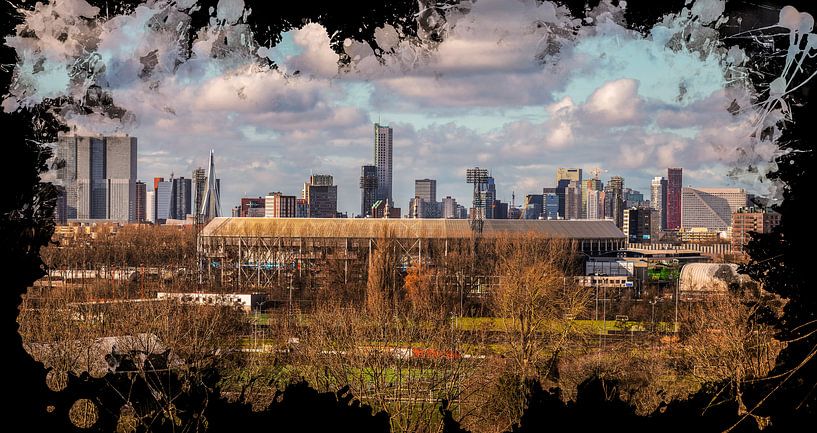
(252, 207)
(640, 225)
(99, 175)
(368, 189)
(199, 186)
(164, 201)
(616, 201)
(383, 145)
(633, 198)
(424, 203)
(182, 195)
(141, 202)
(426, 189)
(594, 202)
(301, 208)
(150, 205)
(710, 208)
(61, 207)
(449, 205)
(321, 196)
(278, 205)
(500, 210)
(574, 174)
(675, 182)
(533, 206)
(550, 204)
(748, 220)
(658, 199)
(587, 186)
(569, 178)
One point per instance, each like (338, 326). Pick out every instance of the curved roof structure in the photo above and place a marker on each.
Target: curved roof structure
(404, 228)
(708, 277)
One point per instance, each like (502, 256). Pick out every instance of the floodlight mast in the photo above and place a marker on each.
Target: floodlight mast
(478, 177)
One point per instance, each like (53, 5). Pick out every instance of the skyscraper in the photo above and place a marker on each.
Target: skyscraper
(587, 186)
(424, 203)
(569, 178)
(658, 200)
(449, 206)
(141, 202)
(182, 189)
(164, 200)
(321, 196)
(383, 145)
(199, 186)
(616, 203)
(150, 205)
(99, 176)
(426, 189)
(368, 189)
(674, 185)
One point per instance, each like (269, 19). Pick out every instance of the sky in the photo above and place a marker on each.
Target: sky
(518, 87)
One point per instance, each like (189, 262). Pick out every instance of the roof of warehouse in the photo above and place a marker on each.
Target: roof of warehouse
(406, 228)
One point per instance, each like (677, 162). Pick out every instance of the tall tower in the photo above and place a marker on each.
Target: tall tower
(99, 176)
(383, 145)
(616, 189)
(674, 185)
(211, 204)
(658, 200)
(368, 189)
(199, 185)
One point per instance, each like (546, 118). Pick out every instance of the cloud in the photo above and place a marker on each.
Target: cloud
(615, 103)
(516, 86)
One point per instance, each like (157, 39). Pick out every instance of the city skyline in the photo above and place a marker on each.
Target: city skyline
(488, 95)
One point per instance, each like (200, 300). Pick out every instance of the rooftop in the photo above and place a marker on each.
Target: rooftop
(407, 228)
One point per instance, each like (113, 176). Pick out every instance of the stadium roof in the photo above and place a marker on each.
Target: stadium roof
(404, 228)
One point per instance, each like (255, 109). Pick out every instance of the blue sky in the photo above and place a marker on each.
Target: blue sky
(516, 86)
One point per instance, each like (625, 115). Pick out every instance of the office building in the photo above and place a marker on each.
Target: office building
(199, 186)
(533, 206)
(150, 205)
(301, 208)
(615, 203)
(182, 198)
(710, 208)
(675, 180)
(164, 201)
(424, 203)
(587, 186)
(61, 207)
(252, 207)
(450, 208)
(383, 146)
(594, 204)
(550, 204)
(141, 202)
(99, 176)
(640, 225)
(368, 189)
(748, 220)
(633, 198)
(569, 208)
(321, 196)
(658, 199)
(278, 205)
